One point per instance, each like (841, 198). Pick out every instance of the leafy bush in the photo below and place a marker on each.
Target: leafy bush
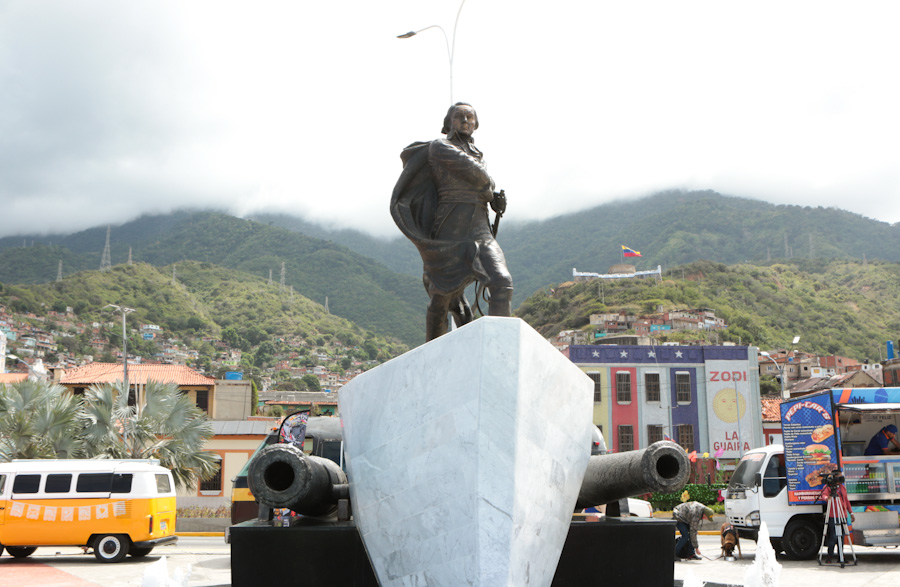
(196, 511)
(705, 494)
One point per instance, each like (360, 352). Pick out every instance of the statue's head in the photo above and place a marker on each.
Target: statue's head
(459, 116)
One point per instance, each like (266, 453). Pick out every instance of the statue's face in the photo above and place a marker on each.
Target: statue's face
(463, 120)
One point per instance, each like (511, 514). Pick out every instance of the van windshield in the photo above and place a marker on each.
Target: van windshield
(746, 471)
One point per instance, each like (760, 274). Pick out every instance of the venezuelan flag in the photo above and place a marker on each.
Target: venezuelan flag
(630, 252)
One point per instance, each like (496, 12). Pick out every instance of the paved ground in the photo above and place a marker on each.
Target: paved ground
(210, 562)
(209, 557)
(877, 567)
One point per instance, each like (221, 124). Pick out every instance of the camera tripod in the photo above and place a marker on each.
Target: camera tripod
(841, 527)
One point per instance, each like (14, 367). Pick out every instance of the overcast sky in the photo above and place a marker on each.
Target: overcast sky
(111, 109)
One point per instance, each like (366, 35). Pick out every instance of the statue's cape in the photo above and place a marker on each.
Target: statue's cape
(449, 266)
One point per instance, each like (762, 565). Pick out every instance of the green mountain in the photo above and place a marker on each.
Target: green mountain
(356, 287)
(204, 300)
(669, 229)
(840, 307)
(377, 282)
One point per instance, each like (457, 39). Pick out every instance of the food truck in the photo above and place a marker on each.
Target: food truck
(823, 432)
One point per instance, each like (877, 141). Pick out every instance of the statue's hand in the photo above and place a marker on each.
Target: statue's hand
(498, 204)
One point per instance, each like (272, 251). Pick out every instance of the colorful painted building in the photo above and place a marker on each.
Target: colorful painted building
(705, 398)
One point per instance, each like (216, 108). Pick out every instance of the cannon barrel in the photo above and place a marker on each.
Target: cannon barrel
(281, 476)
(662, 466)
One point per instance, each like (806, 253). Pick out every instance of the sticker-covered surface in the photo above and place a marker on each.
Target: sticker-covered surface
(810, 446)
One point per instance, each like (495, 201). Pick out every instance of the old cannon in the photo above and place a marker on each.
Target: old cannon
(281, 476)
(662, 466)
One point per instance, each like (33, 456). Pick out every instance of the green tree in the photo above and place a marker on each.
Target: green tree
(311, 381)
(39, 421)
(164, 424)
(254, 397)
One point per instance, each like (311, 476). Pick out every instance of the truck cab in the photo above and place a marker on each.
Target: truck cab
(758, 491)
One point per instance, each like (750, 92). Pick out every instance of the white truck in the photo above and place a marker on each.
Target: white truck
(781, 484)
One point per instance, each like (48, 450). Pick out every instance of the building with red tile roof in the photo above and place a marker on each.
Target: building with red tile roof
(8, 378)
(199, 387)
(94, 373)
(771, 420)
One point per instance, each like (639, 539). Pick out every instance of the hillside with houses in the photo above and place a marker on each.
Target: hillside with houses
(275, 337)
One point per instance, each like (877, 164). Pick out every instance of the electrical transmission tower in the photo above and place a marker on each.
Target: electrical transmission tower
(270, 277)
(59, 271)
(326, 305)
(282, 276)
(129, 255)
(105, 261)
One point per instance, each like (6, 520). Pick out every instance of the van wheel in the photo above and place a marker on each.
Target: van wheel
(111, 548)
(139, 552)
(21, 551)
(801, 540)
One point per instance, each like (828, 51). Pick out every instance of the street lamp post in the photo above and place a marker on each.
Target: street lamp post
(781, 367)
(124, 311)
(451, 48)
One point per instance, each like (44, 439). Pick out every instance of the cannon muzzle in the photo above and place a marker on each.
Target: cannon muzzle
(281, 476)
(662, 466)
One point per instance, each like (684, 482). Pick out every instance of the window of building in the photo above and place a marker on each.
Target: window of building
(683, 388)
(626, 438)
(686, 437)
(654, 433)
(598, 387)
(214, 483)
(203, 399)
(623, 387)
(651, 386)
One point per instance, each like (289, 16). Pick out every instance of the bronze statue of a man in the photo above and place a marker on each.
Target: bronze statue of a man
(441, 204)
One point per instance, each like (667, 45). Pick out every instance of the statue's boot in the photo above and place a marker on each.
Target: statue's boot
(501, 301)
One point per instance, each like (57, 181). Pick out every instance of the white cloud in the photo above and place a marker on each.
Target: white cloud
(113, 109)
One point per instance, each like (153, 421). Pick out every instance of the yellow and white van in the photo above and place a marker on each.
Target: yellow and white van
(116, 507)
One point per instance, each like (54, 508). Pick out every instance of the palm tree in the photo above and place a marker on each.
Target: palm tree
(39, 421)
(164, 424)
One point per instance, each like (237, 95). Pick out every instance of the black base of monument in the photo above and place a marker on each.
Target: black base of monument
(611, 552)
(618, 551)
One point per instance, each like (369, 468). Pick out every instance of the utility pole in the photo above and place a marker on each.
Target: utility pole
(124, 310)
(105, 260)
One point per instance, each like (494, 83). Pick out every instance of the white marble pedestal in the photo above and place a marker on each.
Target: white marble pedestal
(465, 457)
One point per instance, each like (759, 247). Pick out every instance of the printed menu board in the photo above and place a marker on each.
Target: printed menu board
(810, 446)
